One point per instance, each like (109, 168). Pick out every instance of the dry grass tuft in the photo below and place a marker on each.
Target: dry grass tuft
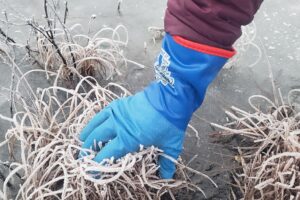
(46, 133)
(89, 56)
(270, 154)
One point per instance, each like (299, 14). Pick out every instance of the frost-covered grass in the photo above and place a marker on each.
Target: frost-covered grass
(269, 154)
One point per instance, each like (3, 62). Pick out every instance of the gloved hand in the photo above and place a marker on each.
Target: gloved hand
(158, 115)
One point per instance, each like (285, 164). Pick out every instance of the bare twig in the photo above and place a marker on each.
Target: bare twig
(7, 38)
(66, 12)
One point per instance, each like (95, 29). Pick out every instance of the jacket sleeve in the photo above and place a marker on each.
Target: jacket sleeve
(215, 23)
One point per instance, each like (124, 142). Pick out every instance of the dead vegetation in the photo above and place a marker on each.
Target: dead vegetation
(47, 134)
(269, 154)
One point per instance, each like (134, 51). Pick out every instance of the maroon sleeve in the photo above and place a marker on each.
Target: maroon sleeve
(212, 22)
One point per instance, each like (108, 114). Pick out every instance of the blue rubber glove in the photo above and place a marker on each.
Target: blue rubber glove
(158, 115)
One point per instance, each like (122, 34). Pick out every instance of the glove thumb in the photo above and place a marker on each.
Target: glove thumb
(167, 166)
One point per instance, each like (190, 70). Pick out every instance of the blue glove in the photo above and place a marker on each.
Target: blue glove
(158, 115)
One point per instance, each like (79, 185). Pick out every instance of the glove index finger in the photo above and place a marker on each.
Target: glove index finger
(97, 120)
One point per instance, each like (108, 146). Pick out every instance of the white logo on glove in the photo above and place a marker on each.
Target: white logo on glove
(162, 74)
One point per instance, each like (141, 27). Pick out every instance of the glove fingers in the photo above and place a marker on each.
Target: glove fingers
(102, 133)
(167, 167)
(95, 122)
(116, 149)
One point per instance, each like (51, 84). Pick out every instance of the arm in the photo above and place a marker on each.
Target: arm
(212, 22)
(191, 57)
